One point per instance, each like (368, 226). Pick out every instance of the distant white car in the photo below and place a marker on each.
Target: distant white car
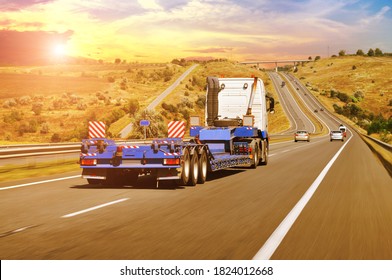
(301, 135)
(336, 135)
(343, 129)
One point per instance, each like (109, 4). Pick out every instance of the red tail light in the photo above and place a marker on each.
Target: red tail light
(171, 161)
(88, 162)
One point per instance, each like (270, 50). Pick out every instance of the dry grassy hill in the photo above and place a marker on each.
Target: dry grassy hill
(54, 103)
(357, 87)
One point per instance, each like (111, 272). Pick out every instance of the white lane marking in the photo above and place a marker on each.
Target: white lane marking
(94, 208)
(15, 231)
(298, 147)
(280, 232)
(40, 182)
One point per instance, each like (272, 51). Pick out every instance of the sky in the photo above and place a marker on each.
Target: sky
(162, 30)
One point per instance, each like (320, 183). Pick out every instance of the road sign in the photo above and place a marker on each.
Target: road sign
(144, 123)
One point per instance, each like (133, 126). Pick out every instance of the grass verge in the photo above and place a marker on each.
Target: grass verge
(11, 172)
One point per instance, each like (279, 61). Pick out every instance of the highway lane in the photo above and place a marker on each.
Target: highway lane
(231, 216)
(298, 119)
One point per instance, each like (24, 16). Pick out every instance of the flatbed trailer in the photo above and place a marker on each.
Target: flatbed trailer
(222, 143)
(186, 161)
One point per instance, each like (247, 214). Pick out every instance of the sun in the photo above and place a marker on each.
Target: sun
(59, 50)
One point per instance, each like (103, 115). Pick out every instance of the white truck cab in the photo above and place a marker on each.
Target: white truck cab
(235, 98)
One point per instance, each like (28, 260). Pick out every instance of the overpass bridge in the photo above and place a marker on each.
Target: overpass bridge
(276, 62)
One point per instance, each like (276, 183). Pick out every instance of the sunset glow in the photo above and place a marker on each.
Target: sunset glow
(59, 50)
(162, 30)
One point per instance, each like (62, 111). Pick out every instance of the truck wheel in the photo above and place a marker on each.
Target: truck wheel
(194, 170)
(185, 167)
(202, 167)
(255, 157)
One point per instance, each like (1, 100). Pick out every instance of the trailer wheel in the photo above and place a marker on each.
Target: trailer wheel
(255, 157)
(185, 167)
(202, 167)
(194, 170)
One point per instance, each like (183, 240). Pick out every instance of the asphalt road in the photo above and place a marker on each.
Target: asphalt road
(316, 200)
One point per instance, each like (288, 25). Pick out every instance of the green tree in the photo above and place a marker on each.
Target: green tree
(370, 52)
(360, 52)
(342, 53)
(133, 106)
(378, 52)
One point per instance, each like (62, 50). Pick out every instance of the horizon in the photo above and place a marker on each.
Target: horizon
(160, 31)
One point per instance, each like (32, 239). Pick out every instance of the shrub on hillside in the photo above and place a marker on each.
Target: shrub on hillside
(59, 104)
(44, 128)
(9, 103)
(380, 125)
(24, 100)
(201, 101)
(132, 107)
(14, 116)
(37, 108)
(55, 138)
(169, 107)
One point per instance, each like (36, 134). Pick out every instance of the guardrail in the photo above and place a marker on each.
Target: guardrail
(13, 151)
(382, 150)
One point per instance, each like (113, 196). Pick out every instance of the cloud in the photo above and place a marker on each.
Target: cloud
(14, 5)
(378, 17)
(163, 29)
(211, 50)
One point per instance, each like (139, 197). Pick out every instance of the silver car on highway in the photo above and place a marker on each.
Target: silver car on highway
(336, 135)
(301, 135)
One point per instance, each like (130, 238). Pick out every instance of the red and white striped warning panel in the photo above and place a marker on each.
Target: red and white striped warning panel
(176, 129)
(171, 154)
(96, 129)
(88, 155)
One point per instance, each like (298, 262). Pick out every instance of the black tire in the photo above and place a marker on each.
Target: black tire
(194, 169)
(185, 167)
(255, 162)
(203, 167)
